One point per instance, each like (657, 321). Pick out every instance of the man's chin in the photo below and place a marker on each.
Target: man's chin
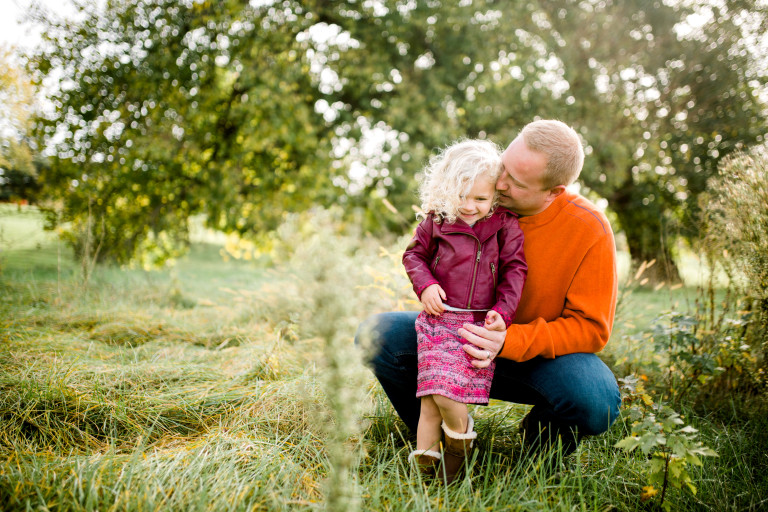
(505, 202)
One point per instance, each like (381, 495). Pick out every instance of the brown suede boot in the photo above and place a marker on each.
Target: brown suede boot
(426, 461)
(457, 447)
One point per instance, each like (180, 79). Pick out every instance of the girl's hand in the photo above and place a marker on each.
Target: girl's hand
(432, 299)
(494, 322)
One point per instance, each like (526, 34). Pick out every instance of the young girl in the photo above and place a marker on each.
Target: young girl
(466, 265)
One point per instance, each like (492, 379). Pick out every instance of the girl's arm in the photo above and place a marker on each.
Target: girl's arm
(418, 255)
(512, 270)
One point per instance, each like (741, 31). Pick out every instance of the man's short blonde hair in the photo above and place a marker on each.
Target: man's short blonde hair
(562, 147)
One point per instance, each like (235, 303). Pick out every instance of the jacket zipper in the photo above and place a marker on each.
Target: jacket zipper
(474, 275)
(474, 270)
(493, 272)
(434, 265)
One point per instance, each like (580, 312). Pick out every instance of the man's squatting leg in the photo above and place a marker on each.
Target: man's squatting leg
(573, 395)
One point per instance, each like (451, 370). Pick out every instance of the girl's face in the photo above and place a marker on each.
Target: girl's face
(477, 203)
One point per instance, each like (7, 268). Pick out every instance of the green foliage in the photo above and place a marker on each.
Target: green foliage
(694, 359)
(669, 445)
(710, 363)
(18, 172)
(241, 111)
(647, 96)
(736, 231)
(193, 108)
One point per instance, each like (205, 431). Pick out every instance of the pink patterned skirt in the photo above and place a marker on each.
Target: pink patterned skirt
(444, 368)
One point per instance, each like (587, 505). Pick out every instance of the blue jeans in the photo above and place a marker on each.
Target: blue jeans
(572, 395)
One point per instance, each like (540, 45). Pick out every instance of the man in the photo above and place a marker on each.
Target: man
(546, 358)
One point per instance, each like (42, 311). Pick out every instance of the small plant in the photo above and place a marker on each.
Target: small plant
(706, 358)
(660, 433)
(690, 360)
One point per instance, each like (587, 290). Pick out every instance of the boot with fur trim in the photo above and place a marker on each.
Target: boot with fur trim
(426, 460)
(457, 447)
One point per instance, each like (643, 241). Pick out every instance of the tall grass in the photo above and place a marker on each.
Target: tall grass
(237, 387)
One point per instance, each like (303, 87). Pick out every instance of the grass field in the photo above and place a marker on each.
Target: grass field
(206, 388)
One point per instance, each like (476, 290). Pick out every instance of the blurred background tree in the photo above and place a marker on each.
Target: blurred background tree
(662, 93)
(243, 111)
(17, 164)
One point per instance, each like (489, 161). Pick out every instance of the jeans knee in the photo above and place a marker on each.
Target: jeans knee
(367, 331)
(372, 341)
(388, 341)
(598, 413)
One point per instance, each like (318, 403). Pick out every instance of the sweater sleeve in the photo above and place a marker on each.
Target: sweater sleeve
(418, 255)
(512, 270)
(587, 317)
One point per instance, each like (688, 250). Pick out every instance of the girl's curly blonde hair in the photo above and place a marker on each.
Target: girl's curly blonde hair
(450, 175)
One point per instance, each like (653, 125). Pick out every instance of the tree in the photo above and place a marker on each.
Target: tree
(17, 166)
(426, 73)
(659, 102)
(241, 111)
(170, 109)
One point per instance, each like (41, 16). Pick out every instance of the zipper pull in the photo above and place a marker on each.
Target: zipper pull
(478, 255)
(493, 269)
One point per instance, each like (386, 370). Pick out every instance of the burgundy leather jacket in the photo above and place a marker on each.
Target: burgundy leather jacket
(479, 267)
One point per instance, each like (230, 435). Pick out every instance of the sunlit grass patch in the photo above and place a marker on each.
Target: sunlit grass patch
(68, 408)
(216, 472)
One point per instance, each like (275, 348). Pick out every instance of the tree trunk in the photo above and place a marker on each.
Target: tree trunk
(647, 239)
(648, 247)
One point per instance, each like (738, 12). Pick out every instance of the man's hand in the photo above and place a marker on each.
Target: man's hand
(432, 299)
(484, 343)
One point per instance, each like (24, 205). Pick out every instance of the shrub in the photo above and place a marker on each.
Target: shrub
(735, 227)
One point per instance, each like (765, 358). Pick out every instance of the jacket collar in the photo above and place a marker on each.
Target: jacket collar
(482, 230)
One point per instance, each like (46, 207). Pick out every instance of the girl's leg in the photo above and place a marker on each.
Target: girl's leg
(459, 436)
(427, 454)
(429, 433)
(454, 414)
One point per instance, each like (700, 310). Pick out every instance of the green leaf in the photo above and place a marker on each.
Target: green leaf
(705, 451)
(628, 443)
(693, 459)
(676, 469)
(656, 468)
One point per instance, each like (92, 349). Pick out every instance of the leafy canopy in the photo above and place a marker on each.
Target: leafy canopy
(243, 111)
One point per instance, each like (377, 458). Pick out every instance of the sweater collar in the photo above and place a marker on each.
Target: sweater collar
(554, 208)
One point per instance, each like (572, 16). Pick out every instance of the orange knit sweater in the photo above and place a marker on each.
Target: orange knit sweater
(569, 297)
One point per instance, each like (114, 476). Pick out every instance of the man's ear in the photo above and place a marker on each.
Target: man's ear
(556, 191)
